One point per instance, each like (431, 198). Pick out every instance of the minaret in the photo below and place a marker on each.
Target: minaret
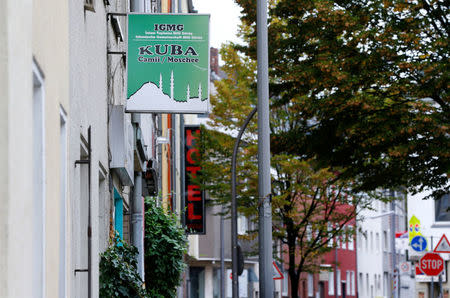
(188, 95)
(160, 82)
(200, 91)
(171, 85)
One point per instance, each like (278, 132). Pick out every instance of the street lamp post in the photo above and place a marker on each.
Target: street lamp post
(264, 187)
(394, 254)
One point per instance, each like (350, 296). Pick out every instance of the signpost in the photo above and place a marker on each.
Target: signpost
(443, 245)
(277, 274)
(419, 243)
(431, 264)
(168, 63)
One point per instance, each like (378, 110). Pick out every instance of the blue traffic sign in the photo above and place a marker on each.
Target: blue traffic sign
(419, 243)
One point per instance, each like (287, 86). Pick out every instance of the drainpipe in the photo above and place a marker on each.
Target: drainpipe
(137, 6)
(89, 227)
(394, 255)
(137, 220)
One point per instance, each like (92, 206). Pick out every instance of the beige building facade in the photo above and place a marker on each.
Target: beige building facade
(34, 83)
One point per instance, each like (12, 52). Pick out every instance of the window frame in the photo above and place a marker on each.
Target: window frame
(442, 210)
(39, 179)
(331, 283)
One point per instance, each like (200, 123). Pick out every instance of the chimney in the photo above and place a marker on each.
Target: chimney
(214, 60)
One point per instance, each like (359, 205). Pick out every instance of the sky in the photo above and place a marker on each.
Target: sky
(224, 19)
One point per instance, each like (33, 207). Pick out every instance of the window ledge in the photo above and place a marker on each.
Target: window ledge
(441, 224)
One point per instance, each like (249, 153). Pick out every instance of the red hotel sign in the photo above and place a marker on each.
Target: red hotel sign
(194, 197)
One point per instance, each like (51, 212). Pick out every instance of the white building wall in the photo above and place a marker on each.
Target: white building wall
(88, 107)
(35, 42)
(424, 210)
(374, 248)
(16, 188)
(50, 45)
(370, 251)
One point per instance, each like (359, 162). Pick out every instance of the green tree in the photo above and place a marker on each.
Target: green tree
(165, 244)
(311, 206)
(363, 86)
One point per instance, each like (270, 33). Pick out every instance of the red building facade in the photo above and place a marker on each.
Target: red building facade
(328, 284)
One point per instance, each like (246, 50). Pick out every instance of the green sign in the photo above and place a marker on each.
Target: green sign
(168, 63)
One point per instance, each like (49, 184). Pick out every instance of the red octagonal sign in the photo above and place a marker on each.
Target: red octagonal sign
(431, 264)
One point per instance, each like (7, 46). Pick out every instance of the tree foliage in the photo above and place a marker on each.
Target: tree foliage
(363, 86)
(313, 211)
(165, 244)
(359, 101)
(311, 205)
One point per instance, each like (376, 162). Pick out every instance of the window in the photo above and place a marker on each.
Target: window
(371, 241)
(359, 240)
(38, 182)
(197, 281)
(63, 203)
(330, 236)
(310, 285)
(385, 241)
(385, 283)
(377, 242)
(338, 281)
(308, 232)
(350, 243)
(352, 281)
(331, 283)
(366, 241)
(367, 284)
(442, 208)
(360, 283)
(242, 224)
(375, 282)
(285, 281)
(347, 283)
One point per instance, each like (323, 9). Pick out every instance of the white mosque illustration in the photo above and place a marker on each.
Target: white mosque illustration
(152, 98)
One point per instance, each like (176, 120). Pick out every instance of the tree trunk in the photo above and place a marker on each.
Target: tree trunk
(293, 276)
(294, 283)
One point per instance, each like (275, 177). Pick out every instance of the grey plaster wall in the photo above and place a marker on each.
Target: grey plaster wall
(89, 98)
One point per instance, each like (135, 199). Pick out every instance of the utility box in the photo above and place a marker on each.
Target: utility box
(121, 143)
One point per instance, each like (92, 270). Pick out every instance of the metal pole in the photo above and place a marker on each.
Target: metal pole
(394, 255)
(137, 220)
(234, 252)
(264, 187)
(89, 231)
(335, 272)
(222, 256)
(432, 279)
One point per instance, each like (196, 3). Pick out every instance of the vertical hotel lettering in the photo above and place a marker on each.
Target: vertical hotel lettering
(194, 196)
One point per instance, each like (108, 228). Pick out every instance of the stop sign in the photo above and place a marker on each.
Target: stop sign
(431, 264)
